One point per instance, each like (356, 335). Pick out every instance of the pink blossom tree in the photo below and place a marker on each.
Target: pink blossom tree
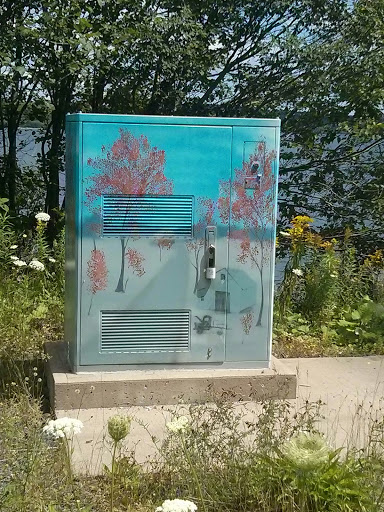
(97, 273)
(130, 167)
(251, 212)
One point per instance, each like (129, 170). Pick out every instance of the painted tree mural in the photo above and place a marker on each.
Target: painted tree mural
(164, 243)
(205, 217)
(97, 273)
(252, 211)
(129, 167)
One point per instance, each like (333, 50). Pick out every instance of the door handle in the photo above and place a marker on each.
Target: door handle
(210, 252)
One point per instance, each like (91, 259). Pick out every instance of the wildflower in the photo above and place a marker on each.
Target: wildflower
(19, 263)
(297, 272)
(52, 260)
(14, 246)
(178, 425)
(306, 450)
(303, 220)
(375, 260)
(37, 265)
(119, 427)
(39, 379)
(14, 258)
(42, 217)
(177, 506)
(63, 427)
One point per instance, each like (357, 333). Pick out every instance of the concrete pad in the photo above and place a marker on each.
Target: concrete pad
(352, 389)
(155, 387)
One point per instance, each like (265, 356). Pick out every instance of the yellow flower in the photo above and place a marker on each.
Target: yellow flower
(375, 260)
(327, 245)
(302, 220)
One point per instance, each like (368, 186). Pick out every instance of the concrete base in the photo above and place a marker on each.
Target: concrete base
(71, 391)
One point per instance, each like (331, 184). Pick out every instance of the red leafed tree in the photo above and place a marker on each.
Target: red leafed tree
(135, 262)
(252, 212)
(97, 273)
(247, 322)
(129, 167)
(164, 243)
(205, 214)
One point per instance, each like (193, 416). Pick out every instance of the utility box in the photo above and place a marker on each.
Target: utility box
(170, 241)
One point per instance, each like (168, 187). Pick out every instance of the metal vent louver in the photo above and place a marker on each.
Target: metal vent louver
(145, 331)
(148, 216)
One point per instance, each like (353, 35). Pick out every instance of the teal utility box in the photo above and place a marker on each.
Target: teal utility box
(170, 241)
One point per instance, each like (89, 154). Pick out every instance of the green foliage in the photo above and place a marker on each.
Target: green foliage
(329, 302)
(226, 459)
(31, 300)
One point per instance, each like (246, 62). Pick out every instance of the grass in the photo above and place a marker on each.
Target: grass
(224, 459)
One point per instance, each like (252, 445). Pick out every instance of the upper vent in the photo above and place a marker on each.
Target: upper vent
(148, 216)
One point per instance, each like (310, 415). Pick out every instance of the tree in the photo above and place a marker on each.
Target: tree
(130, 167)
(250, 213)
(205, 217)
(97, 273)
(331, 165)
(18, 86)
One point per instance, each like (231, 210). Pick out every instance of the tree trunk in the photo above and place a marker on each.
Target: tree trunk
(120, 284)
(11, 167)
(262, 298)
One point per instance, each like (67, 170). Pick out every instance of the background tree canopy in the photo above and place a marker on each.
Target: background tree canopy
(317, 64)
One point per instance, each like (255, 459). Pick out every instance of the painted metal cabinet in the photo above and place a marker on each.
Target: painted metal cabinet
(170, 240)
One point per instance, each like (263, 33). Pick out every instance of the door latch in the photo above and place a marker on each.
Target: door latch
(210, 252)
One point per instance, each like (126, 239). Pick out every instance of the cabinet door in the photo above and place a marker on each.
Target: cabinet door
(149, 194)
(253, 193)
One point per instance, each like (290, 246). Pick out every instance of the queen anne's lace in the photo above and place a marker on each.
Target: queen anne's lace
(306, 450)
(42, 217)
(37, 265)
(177, 506)
(19, 263)
(178, 425)
(63, 427)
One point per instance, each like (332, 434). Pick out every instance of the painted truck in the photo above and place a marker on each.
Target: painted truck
(170, 241)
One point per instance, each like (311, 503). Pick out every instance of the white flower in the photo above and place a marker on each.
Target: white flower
(37, 265)
(63, 427)
(178, 425)
(177, 506)
(297, 272)
(14, 246)
(14, 258)
(43, 217)
(52, 260)
(284, 233)
(19, 263)
(24, 236)
(306, 450)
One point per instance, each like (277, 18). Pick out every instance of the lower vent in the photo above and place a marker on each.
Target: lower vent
(145, 331)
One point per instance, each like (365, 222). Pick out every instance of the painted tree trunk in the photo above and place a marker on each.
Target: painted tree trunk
(120, 284)
(262, 298)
